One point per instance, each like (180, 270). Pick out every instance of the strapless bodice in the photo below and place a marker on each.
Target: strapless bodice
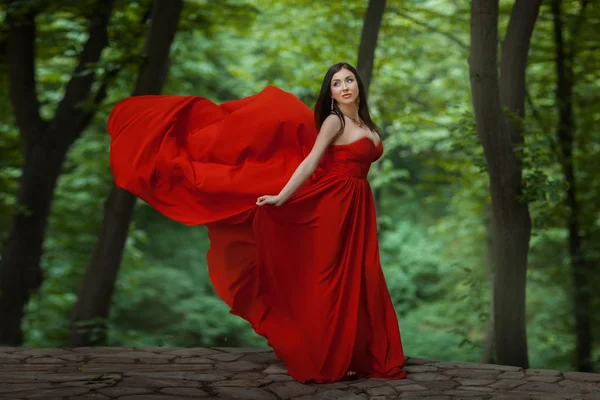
(353, 159)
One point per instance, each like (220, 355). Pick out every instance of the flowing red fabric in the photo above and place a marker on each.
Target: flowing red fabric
(306, 275)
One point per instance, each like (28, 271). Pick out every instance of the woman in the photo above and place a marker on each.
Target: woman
(302, 266)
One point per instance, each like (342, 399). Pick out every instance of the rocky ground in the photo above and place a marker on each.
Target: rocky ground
(256, 374)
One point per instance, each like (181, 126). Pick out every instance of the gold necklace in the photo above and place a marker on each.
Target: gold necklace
(359, 123)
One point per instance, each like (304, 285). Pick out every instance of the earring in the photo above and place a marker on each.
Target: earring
(332, 104)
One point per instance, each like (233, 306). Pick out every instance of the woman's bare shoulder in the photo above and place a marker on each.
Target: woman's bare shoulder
(332, 122)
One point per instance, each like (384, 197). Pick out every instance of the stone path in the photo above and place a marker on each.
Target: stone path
(256, 374)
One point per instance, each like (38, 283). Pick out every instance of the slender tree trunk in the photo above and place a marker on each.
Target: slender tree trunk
(511, 223)
(513, 65)
(566, 138)
(368, 41)
(516, 230)
(44, 145)
(88, 322)
(21, 272)
(366, 57)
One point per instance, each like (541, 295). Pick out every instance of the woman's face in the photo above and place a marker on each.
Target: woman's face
(344, 88)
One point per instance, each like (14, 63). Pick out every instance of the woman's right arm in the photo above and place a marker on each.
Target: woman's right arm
(329, 131)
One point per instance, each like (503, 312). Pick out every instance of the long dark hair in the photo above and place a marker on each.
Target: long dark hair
(323, 104)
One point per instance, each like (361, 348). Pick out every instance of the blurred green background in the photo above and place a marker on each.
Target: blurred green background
(431, 183)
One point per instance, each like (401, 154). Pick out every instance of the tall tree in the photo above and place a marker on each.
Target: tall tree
(499, 135)
(88, 323)
(44, 144)
(564, 61)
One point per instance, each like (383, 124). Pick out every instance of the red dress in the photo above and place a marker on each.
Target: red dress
(306, 275)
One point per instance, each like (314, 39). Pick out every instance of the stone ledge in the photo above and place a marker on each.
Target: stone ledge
(159, 373)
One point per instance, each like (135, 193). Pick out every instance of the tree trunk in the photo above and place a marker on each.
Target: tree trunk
(368, 41)
(88, 322)
(566, 138)
(21, 273)
(513, 65)
(44, 145)
(366, 58)
(517, 230)
(511, 223)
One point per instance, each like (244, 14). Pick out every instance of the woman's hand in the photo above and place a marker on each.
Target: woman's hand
(269, 200)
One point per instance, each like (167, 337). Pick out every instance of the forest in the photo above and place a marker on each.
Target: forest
(487, 192)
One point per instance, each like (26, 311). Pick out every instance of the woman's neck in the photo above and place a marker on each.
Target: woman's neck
(349, 110)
